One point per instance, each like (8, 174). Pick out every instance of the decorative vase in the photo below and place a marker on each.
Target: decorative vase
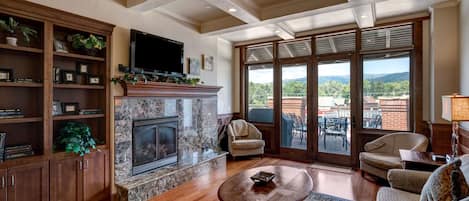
(12, 41)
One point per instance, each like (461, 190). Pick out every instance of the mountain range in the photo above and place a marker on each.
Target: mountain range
(392, 77)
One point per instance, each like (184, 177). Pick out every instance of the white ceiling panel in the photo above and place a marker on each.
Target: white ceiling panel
(196, 10)
(249, 34)
(399, 7)
(322, 20)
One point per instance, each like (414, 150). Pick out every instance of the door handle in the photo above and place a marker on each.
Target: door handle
(86, 164)
(13, 181)
(3, 182)
(80, 165)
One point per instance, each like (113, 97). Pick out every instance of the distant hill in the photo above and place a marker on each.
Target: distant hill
(393, 77)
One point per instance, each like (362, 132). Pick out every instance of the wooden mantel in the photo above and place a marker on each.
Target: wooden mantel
(162, 89)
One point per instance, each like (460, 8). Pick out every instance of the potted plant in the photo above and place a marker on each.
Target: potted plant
(13, 28)
(91, 45)
(76, 137)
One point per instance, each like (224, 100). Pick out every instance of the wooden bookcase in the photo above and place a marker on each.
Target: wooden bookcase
(40, 127)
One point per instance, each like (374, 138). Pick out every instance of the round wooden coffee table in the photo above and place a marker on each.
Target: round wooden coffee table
(289, 184)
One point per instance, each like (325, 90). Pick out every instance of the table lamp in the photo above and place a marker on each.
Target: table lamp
(455, 109)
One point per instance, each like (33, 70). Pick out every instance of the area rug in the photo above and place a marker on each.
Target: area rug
(333, 168)
(313, 196)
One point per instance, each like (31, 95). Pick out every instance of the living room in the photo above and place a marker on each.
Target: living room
(234, 100)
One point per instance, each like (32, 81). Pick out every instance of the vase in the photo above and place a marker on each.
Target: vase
(12, 41)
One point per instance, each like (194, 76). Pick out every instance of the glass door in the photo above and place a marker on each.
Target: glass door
(293, 117)
(334, 109)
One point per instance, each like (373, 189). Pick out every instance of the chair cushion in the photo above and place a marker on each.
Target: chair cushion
(240, 128)
(439, 185)
(247, 144)
(381, 160)
(390, 194)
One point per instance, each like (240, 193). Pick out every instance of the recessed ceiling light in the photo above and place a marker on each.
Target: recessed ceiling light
(277, 31)
(208, 7)
(363, 16)
(232, 10)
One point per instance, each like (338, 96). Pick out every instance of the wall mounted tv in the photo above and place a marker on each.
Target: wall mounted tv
(150, 53)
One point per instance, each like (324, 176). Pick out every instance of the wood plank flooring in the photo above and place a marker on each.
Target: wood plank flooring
(350, 186)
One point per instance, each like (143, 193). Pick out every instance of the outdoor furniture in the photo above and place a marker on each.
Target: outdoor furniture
(265, 115)
(336, 127)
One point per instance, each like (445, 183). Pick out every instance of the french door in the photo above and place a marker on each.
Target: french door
(333, 109)
(316, 109)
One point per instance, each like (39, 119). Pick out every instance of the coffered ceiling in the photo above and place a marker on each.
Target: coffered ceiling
(241, 20)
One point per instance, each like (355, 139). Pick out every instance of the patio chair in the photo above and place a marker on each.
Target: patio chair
(338, 129)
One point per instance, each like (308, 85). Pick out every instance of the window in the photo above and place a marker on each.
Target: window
(260, 93)
(259, 53)
(294, 49)
(328, 44)
(386, 91)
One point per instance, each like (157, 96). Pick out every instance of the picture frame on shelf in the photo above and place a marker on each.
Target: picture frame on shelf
(60, 46)
(69, 77)
(56, 108)
(70, 108)
(93, 80)
(6, 75)
(56, 74)
(83, 68)
(207, 62)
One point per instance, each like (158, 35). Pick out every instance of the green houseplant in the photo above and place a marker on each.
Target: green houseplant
(76, 137)
(91, 44)
(12, 27)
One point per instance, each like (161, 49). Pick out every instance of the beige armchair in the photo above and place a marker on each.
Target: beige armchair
(407, 185)
(382, 154)
(244, 139)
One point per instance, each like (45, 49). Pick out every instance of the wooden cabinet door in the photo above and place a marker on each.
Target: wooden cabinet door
(66, 179)
(3, 185)
(29, 182)
(96, 176)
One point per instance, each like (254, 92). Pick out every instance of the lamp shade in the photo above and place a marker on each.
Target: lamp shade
(455, 108)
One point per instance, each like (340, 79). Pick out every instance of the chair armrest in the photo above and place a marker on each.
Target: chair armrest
(374, 145)
(408, 180)
(254, 133)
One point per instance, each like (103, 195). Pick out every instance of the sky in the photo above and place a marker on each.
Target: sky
(395, 65)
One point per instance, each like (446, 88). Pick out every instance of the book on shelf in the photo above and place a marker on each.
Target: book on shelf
(90, 111)
(11, 113)
(2, 146)
(18, 151)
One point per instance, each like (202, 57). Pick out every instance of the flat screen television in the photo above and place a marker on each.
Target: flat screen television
(150, 53)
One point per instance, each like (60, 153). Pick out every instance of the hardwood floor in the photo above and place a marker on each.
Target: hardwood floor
(350, 186)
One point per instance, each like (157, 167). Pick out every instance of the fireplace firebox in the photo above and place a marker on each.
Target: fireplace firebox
(154, 143)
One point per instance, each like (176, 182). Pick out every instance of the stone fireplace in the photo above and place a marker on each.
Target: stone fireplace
(162, 141)
(154, 143)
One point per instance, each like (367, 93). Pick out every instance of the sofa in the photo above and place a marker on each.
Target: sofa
(244, 139)
(413, 185)
(382, 154)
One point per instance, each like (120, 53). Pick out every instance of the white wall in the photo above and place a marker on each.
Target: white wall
(444, 56)
(111, 11)
(464, 49)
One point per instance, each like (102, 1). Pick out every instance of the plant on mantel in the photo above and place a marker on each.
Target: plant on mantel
(134, 78)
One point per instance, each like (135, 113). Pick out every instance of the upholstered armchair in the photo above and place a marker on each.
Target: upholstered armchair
(244, 139)
(413, 185)
(382, 154)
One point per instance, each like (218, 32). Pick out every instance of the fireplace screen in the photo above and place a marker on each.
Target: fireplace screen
(154, 143)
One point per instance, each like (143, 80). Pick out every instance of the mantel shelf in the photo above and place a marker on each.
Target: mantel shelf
(162, 89)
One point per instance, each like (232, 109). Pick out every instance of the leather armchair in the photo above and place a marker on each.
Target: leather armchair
(244, 139)
(382, 154)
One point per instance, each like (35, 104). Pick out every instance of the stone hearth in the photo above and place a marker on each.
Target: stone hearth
(197, 143)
